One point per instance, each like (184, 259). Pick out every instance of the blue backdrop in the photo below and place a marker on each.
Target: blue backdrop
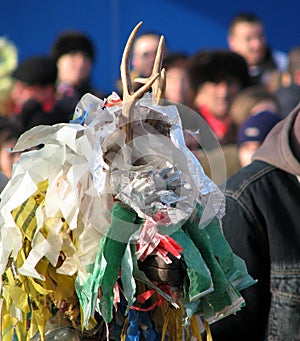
(188, 25)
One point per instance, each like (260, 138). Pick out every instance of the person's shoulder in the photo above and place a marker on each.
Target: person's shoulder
(63, 110)
(246, 177)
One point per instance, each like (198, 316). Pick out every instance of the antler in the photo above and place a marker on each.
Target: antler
(128, 95)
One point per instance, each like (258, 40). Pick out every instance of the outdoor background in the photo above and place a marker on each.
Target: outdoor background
(188, 25)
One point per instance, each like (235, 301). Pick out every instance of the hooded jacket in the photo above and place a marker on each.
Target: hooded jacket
(281, 147)
(262, 225)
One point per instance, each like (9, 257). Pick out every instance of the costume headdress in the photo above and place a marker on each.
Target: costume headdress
(112, 229)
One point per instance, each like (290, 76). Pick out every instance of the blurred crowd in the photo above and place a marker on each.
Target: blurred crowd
(44, 89)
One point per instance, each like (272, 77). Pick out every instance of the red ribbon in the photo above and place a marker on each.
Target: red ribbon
(145, 296)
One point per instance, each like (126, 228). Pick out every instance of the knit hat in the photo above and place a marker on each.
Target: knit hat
(218, 66)
(37, 70)
(257, 127)
(72, 41)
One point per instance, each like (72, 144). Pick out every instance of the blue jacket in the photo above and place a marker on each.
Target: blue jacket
(269, 241)
(262, 225)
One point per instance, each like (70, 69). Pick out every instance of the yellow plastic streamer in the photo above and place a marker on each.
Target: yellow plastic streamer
(25, 295)
(172, 318)
(124, 330)
(195, 328)
(24, 215)
(208, 332)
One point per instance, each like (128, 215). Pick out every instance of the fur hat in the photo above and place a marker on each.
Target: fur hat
(257, 127)
(72, 41)
(217, 66)
(36, 70)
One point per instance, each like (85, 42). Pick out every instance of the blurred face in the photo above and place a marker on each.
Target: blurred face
(74, 68)
(144, 54)
(177, 85)
(246, 151)
(7, 159)
(22, 92)
(217, 97)
(248, 39)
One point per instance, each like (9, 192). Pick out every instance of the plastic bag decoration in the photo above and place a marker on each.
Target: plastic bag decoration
(111, 230)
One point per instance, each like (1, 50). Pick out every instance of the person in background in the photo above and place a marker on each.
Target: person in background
(251, 101)
(178, 88)
(254, 111)
(246, 36)
(144, 53)
(74, 53)
(288, 90)
(9, 135)
(261, 223)
(252, 133)
(143, 56)
(34, 94)
(216, 77)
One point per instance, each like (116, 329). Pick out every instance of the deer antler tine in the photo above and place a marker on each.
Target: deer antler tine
(158, 87)
(127, 83)
(148, 84)
(125, 64)
(159, 55)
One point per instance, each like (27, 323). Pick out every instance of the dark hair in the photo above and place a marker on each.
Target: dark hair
(175, 59)
(243, 17)
(8, 131)
(216, 66)
(72, 41)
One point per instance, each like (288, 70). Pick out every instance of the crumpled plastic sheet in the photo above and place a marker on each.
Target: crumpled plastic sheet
(161, 153)
(210, 195)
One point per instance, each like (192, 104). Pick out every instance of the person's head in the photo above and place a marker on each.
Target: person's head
(144, 53)
(252, 133)
(178, 87)
(294, 64)
(250, 101)
(34, 78)
(8, 138)
(216, 78)
(246, 36)
(74, 53)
